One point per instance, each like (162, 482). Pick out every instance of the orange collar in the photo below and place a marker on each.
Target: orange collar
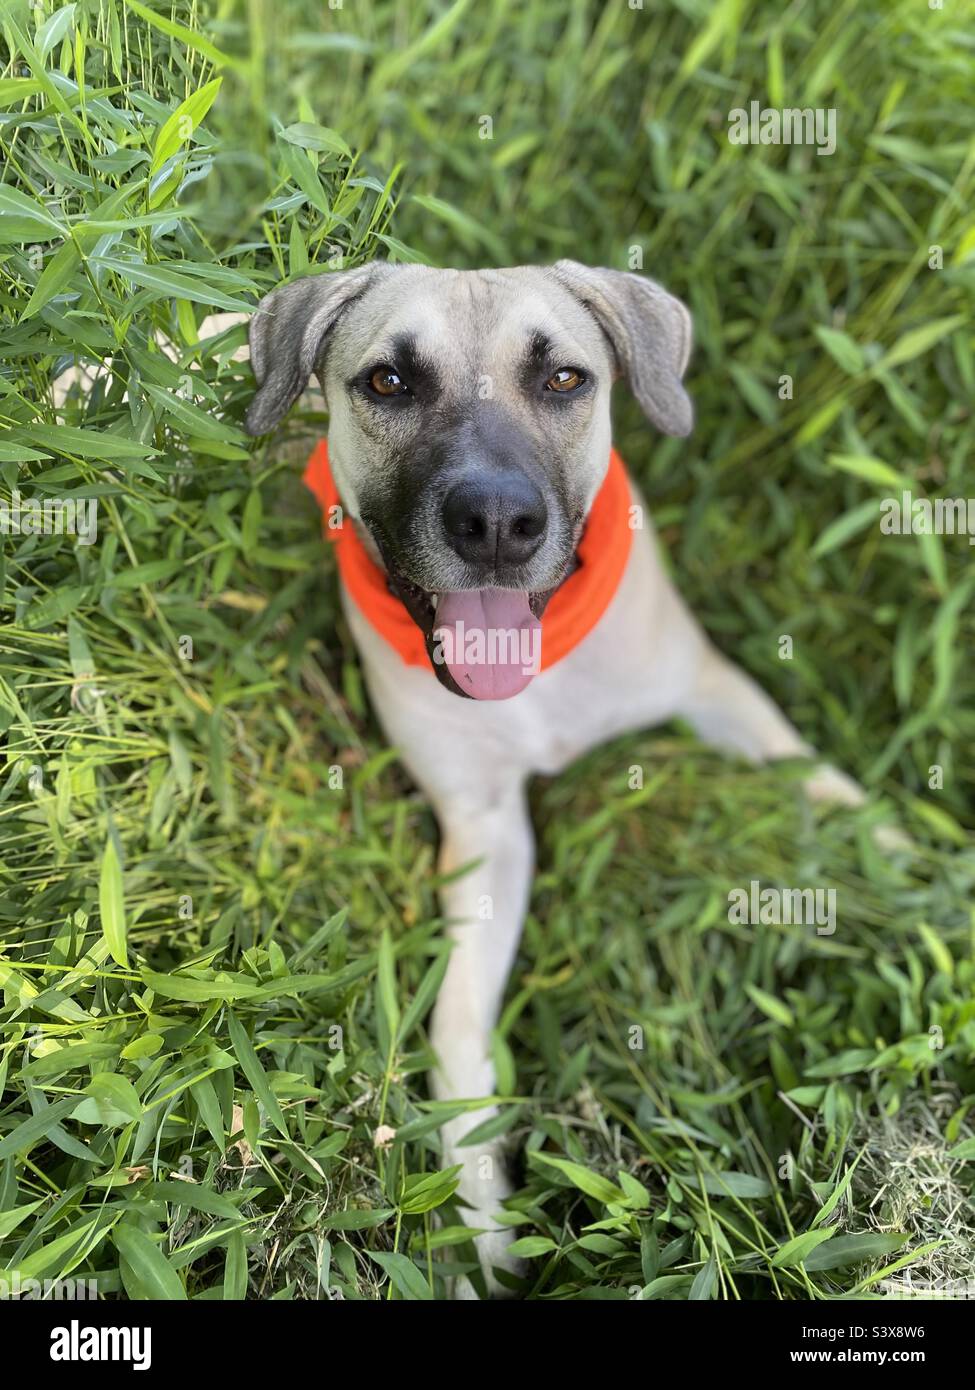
(573, 610)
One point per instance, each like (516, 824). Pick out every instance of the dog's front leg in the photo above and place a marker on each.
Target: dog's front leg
(730, 711)
(484, 907)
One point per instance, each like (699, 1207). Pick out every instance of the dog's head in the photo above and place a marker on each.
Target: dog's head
(469, 425)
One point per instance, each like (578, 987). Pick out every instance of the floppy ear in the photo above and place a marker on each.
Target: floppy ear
(650, 332)
(288, 332)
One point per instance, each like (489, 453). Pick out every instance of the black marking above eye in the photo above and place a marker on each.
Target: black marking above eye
(545, 368)
(398, 373)
(539, 351)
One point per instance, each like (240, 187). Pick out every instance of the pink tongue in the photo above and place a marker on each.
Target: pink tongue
(492, 641)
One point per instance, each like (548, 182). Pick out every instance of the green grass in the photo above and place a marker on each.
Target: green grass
(219, 938)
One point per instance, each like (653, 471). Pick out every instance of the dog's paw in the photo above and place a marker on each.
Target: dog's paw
(892, 840)
(483, 1188)
(828, 786)
(494, 1254)
(831, 787)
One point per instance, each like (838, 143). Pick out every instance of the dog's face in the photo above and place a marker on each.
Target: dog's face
(470, 428)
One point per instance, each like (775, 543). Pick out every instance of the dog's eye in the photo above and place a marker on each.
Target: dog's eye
(387, 382)
(567, 379)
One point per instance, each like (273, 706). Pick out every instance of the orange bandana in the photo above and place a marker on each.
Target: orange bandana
(573, 610)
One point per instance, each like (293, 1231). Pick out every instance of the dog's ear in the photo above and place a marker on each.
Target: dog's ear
(288, 332)
(650, 333)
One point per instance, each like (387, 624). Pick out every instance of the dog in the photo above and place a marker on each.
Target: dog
(469, 442)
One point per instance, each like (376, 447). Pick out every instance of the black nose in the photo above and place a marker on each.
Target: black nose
(496, 519)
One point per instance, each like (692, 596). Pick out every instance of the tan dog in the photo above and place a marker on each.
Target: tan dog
(469, 433)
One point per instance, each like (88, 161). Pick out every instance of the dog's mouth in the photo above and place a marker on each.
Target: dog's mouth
(485, 644)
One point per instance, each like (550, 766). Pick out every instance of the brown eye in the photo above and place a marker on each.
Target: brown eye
(385, 382)
(565, 380)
